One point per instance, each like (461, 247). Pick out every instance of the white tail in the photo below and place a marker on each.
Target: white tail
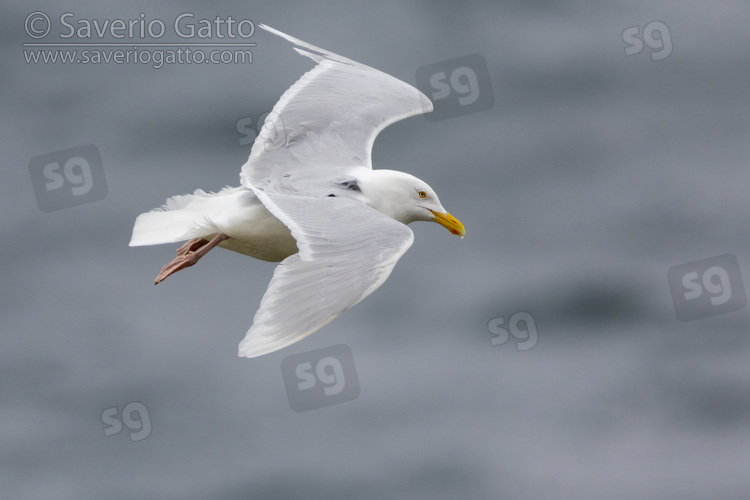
(181, 218)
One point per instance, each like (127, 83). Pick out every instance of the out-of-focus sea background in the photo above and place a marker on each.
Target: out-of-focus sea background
(590, 174)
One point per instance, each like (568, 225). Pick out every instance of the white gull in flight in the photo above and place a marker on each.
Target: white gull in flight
(310, 199)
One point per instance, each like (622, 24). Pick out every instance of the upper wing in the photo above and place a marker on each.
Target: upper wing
(330, 117)
(347, 250)
(325, 123)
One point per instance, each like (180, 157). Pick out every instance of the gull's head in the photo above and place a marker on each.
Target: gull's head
(407, 199)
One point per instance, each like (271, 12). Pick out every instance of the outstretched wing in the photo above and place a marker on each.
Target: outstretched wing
(330, 117)
(322, 128)
(347, 250)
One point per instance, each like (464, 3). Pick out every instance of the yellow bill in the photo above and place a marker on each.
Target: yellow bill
(450, 223)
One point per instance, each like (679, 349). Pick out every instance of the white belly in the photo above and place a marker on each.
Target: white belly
(253, 230)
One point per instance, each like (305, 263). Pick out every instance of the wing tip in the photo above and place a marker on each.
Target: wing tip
(248, 348)
(426, 103)
(318, 53)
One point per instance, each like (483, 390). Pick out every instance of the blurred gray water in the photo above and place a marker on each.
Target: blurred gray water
(592, 175)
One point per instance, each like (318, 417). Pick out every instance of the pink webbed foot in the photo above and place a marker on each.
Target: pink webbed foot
(188, 254)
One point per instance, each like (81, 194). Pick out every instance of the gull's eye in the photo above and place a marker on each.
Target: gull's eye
(422, 194)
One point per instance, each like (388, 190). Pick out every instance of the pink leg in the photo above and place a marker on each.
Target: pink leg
(191, 246)
(188, 254)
